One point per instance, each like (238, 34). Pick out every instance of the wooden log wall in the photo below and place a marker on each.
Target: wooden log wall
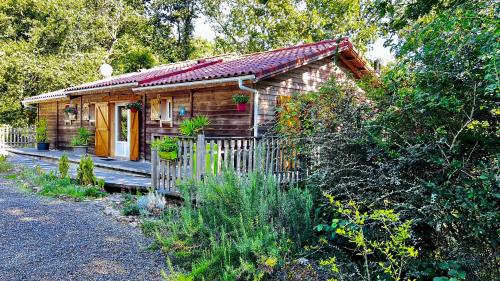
(300, 80)
(216, 103)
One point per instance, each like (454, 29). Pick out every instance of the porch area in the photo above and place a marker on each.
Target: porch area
(118, 174)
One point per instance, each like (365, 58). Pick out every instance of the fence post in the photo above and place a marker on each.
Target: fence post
(154, 168)
(200, 156)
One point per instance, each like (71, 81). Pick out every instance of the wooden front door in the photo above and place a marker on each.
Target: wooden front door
(134, 135)
(102, 129)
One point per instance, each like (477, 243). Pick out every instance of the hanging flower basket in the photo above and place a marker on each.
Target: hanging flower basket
(71, 112)
(241, 102)
(134, 106)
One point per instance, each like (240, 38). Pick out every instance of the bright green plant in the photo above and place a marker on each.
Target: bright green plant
(85, 171)
(167, 147)
(238, 99)
(5, 166)
(379, 237)
(53, 186)
(82, 139)
(194, 126)
(63, 166)
(242, 229)
(41, 131)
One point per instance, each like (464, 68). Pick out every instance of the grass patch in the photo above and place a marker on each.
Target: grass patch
(4, 165)
(53, 186)
(10, 177)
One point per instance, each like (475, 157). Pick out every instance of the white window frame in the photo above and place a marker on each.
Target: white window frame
(91, 117)
(166, 111)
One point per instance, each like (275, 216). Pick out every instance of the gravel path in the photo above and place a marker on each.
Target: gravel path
(48, 239)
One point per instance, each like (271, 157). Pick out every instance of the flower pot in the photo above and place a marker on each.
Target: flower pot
(241, 107)
(133, 110)
(168, 155)
(42, 146)
(80, 150)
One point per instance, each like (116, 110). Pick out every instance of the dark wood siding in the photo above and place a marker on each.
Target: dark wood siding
(300, 80)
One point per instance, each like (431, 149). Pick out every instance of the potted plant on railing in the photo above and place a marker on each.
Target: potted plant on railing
(81, 141)
(71, 111)
(134, 106)
(41, 135)
(167, 148)
(241, 102)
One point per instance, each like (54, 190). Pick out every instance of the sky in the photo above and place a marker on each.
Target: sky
(377, 50)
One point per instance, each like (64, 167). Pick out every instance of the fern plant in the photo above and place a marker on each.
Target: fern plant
(194, 126)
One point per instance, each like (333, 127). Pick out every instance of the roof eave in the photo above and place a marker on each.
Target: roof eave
(200, 83)
(104, 88)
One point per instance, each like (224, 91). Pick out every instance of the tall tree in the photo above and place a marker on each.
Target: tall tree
(48, 45)
(174, 21)
(250, 25)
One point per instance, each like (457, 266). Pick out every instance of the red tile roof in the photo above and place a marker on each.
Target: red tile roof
(261, 65)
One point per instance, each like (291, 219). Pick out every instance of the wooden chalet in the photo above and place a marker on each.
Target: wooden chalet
(174, 92)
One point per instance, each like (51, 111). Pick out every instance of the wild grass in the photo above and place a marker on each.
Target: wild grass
(241, 229)
(53, 186)
(5, 166)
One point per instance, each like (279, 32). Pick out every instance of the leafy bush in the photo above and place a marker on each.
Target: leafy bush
(428, 146)
(378, 236)
(4, 165)
(41, 131)
(82, 139)
(63, 166)
(194, 126)
(242, 228)
(85, 171)
(241, 99)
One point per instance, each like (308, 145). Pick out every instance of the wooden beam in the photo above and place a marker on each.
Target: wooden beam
(355, 71)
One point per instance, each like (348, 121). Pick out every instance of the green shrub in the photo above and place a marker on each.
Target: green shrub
(378, 236)
(63, 166)
(85, 172)
(41, 131)
(82, 139)
(194, 126)
(242, 228)
(4, 165)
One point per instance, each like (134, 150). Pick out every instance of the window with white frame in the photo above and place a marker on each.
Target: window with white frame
(166, 109)
(162, 110)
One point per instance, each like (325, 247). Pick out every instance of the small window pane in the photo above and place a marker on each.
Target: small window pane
(122, 129)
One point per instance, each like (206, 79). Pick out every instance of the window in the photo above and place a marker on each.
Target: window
(122, 127)
(92, 112)
(166, 109)
(162, 109)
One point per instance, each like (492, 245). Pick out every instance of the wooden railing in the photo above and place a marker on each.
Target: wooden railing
(17, 137)
(200, 157)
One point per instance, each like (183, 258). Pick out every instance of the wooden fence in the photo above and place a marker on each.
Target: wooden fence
(17, 137)
(200, 157)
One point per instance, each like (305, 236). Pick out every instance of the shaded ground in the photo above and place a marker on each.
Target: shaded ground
(48, 239)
